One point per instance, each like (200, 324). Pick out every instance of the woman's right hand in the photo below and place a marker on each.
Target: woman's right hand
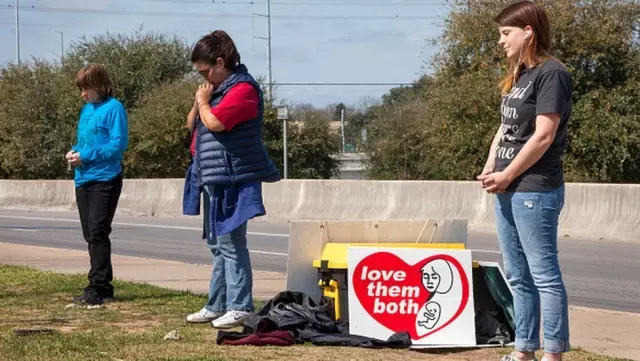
(488, 169)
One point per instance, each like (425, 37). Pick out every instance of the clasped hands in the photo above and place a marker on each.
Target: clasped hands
(494, 182)
(203, 94)
(73, 158)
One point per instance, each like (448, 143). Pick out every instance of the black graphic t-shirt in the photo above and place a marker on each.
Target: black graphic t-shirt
(543, 89)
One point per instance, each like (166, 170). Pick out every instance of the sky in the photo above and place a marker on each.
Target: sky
(313, 41)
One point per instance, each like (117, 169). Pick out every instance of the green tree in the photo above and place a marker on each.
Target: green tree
(311, 148)
(598, 42)
(158, 137)
(306, 112)
(605, 136)
(38, 107)
(137, 63)
(337, 111)
(355, 123)
(310, 144)
(396, 138)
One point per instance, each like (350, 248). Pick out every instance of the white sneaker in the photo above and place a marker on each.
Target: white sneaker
(203, 316)
(230, 319)
(512, 357)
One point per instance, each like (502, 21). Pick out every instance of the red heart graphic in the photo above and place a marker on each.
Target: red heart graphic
(392, 291)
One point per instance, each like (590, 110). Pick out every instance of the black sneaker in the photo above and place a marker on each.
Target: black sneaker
(82, 297)
(90, 298)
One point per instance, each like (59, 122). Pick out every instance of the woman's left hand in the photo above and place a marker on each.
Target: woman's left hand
(495, 182)
(204, 93)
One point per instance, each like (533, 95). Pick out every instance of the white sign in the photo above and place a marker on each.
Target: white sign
(425, 292)
(282, 113)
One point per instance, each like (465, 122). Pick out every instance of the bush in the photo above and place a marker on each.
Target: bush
(157, 132)
(37, 119)
(40, 105)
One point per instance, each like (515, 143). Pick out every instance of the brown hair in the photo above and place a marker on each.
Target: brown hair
(216, 45)
(95, 76)
(536, 48)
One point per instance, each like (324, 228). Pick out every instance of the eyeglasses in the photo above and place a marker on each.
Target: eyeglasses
(205, 72)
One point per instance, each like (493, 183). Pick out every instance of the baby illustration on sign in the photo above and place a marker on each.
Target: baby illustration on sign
(437, 279)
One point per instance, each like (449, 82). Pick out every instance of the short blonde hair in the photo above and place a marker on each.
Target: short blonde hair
(95, 76)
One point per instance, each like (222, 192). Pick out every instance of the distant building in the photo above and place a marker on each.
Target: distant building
(352, 165)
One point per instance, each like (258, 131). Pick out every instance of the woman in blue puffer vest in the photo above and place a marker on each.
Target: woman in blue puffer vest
(230, 163)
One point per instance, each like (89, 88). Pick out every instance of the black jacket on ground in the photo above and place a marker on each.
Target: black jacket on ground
(306, 321)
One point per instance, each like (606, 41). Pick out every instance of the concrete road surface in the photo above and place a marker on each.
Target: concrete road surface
(597, 274)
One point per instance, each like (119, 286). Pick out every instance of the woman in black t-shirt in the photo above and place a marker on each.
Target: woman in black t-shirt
(524, 170)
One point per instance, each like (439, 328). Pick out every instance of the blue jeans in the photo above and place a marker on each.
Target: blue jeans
(527, 225)
(231, 285)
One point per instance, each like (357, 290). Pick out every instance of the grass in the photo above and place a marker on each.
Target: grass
(134, 327)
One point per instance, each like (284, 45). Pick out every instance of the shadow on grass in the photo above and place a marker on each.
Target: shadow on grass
(457, 350)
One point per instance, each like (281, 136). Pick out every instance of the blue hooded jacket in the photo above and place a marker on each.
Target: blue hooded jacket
(102, 138)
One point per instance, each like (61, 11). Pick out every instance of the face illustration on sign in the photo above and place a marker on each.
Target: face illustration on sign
(437, 276)
(430, 280)
(420, 299)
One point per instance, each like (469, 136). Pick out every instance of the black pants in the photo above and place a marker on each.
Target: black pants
(97, 202)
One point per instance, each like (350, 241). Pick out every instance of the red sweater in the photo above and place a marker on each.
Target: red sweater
(240, 104)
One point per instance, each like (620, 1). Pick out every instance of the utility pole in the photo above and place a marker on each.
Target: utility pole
(342, 127)
(269, 79)
(282, 117)
(285, 152)
(61, 45)
(17, 6)
(268, 39)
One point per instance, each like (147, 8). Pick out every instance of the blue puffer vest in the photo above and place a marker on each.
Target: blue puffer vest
(238, 155)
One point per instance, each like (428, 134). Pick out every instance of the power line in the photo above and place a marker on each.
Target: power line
(17, 14)
(126, 12)
(224, 15)
(287, 33)
(342, 84)
(296, 3)
(22, 24)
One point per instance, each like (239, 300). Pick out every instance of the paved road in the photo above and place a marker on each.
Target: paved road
(597, 274)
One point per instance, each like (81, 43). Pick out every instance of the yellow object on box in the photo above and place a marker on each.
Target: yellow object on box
(331, 290)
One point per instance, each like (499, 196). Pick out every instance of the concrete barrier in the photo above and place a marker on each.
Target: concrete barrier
(592, 211)
(140, 197)
(48, 195)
